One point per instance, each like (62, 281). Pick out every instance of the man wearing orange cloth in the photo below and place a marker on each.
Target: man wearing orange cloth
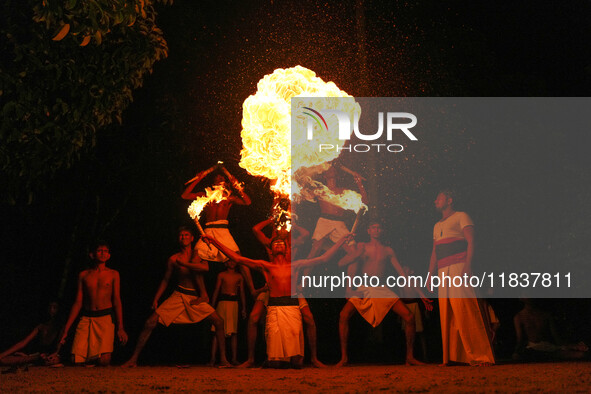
(464, 329)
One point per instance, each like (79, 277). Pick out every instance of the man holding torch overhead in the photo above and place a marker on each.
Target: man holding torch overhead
(331, 225)
(216, 215)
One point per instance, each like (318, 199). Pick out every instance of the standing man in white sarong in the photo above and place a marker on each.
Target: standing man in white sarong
(284, 331)
(464, 329)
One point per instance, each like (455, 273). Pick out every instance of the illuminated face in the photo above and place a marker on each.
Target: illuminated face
(442, 202)
(102, 254)
(185, 238)
(374, 230)
(278, 247)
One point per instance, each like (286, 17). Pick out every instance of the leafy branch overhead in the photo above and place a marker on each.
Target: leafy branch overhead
(68, 69)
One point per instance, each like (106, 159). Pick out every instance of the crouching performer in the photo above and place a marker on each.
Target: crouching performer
(283, 332)
(186, 304)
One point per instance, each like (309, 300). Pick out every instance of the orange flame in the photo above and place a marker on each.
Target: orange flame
(266, 126)
(348, 199)
(215, 194)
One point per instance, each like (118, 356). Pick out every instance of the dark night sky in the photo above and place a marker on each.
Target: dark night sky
(528, 193)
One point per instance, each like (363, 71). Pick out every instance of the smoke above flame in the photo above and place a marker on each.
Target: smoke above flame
(268, 150)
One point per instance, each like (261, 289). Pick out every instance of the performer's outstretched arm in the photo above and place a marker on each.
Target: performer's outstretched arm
(352, 256)
(241, 198)
(188, 194)
(254, 264)
(324, 258)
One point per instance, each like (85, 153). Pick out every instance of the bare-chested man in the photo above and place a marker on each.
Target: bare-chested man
(284, 331)
(229, 288)
(99, 294)
(184, 306)
(373, 258)
(216, 218)
(262, 300)
(331, 226)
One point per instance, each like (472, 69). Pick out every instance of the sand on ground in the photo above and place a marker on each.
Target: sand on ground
(547, 377)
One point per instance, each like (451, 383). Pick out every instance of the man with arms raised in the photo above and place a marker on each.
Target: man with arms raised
(216, 217)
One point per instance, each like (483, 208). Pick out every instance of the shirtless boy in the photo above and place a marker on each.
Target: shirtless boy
(229, 286)
(375, 302)
(184, 305)
(98, 293)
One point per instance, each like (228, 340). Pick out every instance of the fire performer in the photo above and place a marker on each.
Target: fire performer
(99, 294)
(216, 217)
(464, 331)
(331, 225)
(183, 306)
(284, 331)
(376, 302)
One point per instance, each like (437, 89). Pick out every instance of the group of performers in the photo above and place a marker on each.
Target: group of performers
(465, 327)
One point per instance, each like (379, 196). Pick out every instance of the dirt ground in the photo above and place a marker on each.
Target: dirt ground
(549, 377)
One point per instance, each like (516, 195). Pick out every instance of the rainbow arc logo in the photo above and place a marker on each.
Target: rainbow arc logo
(317, 117)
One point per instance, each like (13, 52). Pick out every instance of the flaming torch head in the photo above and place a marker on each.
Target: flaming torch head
(216, 194)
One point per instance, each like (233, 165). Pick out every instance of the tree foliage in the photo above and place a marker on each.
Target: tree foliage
(68, 70)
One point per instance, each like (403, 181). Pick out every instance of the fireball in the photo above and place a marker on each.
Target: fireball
(266, 126)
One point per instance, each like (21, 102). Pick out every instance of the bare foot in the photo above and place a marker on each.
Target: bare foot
(316, 363)
(342, 363)
(225, 364)
(131, 363)
(444, 365)
(482, 364)
(247, 364)
(414, 361)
